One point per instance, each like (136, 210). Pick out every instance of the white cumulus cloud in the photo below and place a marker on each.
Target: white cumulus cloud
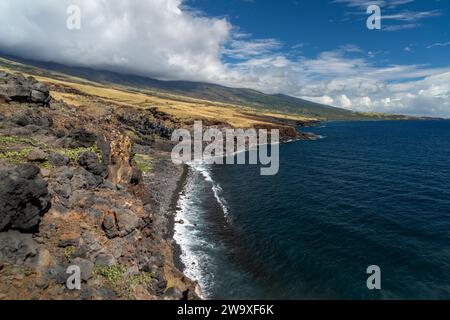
(147, 37)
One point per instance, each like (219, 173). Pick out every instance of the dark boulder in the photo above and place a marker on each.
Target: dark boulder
(58, 274)
(24, 198)
(84, 180)
(37, 155)
(80, 138)
(16, 87)
(58, 160)
(32, 117)
(110, 227)
(105, 260)
(120, 223)
(91, 162)
(86, 268)
(18, 248)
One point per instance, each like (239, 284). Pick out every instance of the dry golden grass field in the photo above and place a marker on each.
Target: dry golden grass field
(83, 93)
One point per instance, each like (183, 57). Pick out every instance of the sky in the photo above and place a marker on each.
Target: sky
(318, 50)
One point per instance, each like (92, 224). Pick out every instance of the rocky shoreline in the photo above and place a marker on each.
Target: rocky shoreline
(85, 187)
(92, 186)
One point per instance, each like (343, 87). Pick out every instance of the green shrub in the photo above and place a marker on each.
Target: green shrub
(9, 140)
(112, 274)
(68, 253)
(124, 285)
(74, 153)
(15, 157)
(144, 162)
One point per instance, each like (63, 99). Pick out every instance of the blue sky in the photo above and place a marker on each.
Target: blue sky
(318, 50)
(414, 40)
(324, 25)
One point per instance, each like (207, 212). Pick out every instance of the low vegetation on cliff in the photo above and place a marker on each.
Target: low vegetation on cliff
(86, 179)
(73, 192)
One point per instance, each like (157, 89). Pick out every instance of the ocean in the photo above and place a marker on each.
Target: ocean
(367, 193)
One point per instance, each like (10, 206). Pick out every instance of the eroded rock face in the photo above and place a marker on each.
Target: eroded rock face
(148, 122)
(24, 198)
(102, 212)
(118, 158)
(16, 87)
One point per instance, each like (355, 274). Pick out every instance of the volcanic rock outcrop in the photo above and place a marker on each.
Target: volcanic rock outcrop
(24, 198)
(16, 87)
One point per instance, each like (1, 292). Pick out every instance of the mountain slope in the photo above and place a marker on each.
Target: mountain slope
(278, 103)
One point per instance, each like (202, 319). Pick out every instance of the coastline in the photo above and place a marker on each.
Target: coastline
(177, 250)
(175, 207)
(166, 183)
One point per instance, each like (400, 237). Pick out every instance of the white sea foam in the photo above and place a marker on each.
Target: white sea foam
(205, 171)
(189, 237)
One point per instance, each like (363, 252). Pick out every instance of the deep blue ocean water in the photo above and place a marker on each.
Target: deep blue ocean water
(369, 193)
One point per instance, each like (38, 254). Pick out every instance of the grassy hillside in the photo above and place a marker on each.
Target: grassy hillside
(97, 97)
(204, 100)
(277, 103)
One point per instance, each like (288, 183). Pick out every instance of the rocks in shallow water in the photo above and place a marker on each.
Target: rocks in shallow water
(24, 198)
(17, 248)
(16, 87)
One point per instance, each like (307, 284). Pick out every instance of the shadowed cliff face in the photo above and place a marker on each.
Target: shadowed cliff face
(72, 193)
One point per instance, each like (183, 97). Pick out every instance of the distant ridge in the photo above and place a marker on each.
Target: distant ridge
(279, 103)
